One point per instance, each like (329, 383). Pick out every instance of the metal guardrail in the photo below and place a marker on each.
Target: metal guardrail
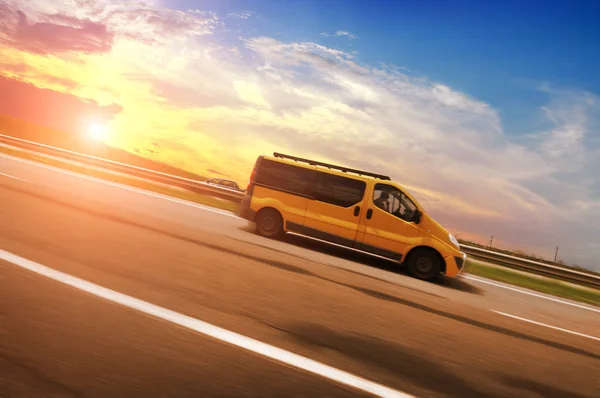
(523, 264)
(135, 171)
(202, 187)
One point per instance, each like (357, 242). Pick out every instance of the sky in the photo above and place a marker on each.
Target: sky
(487, 112)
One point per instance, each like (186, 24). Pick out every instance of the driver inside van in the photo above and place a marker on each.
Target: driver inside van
(383, 201)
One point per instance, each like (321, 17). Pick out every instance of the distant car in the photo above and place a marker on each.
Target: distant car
(225, 183)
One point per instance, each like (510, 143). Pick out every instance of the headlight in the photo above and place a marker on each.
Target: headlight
(453, 240)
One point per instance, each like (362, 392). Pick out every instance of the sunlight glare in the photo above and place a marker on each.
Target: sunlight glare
(97, 131)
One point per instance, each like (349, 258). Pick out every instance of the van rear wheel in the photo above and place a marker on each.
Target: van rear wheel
(424, 264)
(269, 223)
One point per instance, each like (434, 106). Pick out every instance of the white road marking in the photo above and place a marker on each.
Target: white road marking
(122, 186)
(531, 293)
(9, 176)
(545, 325)
(207, 329)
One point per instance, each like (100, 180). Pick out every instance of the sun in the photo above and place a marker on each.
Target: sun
(97, 131)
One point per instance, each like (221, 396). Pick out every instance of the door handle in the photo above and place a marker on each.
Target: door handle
(356, 210)
(369, 214)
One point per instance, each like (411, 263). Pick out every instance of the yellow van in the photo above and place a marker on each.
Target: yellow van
(353, 208)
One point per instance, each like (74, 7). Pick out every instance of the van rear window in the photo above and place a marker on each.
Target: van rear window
(285, 177)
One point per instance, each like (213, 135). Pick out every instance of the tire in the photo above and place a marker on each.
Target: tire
(269, 223)
(424, 264)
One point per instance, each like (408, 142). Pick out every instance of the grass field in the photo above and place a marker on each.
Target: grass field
(534, 282)
(544, 285)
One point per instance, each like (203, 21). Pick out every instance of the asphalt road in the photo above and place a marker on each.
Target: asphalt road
(339, 308)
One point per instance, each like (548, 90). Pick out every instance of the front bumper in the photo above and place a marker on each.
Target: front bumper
(455, 265)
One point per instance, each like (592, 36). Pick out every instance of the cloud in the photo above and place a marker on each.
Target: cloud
(240, 15)
(88, 26)
(571, 113)
(345, 34)
(340, 33)
(47, 107)
(212, 105)
(152, 24)
(53, 34)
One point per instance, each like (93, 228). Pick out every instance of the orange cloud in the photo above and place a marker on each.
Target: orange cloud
(50, 108)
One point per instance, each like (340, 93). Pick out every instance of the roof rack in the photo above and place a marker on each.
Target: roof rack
(331, 166)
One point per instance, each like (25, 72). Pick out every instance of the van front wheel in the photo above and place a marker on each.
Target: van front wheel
(424, 264)
(269, 223)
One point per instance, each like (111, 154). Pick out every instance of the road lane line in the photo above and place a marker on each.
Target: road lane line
(207, 329)
(532, 294)
(545, 325)
(117, 185)
(9, 176)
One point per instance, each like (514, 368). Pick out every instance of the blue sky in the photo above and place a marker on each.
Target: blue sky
(497, 51)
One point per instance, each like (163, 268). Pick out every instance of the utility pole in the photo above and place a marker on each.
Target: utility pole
(556, 255)
(491, 241)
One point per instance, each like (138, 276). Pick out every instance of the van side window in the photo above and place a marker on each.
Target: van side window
(394, 201)
(338, 190)
(285, 177)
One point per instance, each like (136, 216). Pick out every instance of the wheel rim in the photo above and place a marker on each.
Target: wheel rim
(268, 224)
(424, 265)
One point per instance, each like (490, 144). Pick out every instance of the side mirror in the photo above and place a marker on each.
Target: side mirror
(417, 217)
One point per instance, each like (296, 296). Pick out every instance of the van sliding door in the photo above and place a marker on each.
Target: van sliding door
(333, 213)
